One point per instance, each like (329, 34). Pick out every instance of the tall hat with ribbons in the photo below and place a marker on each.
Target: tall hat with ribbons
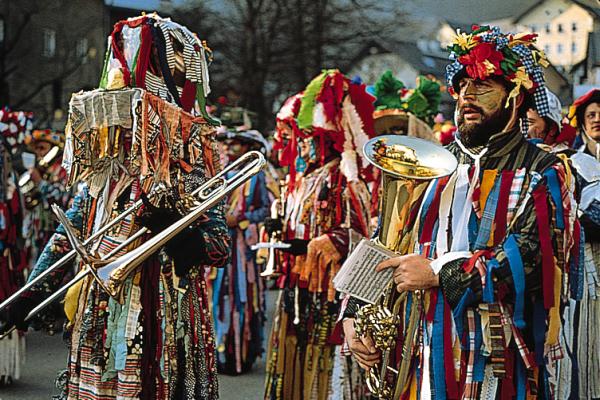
(332, 109)
(487, 52)
(160, 56)
(403, 110)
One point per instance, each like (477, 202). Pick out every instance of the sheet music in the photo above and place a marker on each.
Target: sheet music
(358, 278)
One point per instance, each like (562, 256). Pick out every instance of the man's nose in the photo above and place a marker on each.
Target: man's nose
(468, 90)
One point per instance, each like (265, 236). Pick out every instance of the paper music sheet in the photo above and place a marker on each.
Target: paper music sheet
(358, 278)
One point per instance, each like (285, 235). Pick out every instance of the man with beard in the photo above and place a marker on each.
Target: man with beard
(494, 243)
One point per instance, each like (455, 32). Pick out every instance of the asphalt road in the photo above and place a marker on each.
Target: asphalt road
(46, 355)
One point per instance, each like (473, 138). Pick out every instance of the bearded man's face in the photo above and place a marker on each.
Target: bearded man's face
(481, 110)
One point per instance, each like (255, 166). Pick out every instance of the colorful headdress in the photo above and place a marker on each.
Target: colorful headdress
(55, 138)
(15, 126)
(182, 58)
(331, 108)
(413, 109)
(579, 105)
(487, 52)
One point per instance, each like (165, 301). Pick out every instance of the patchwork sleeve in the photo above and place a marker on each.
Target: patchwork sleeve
(529, 261)
(57, 247)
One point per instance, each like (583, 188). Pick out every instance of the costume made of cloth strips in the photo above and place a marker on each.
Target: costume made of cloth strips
(238, 291)
(504, 239)
(123, 144)
(327, 211)
(580, 378)
(14, 266)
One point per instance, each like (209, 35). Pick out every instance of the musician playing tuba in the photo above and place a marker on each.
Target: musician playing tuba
(156, 340)
(495, 243)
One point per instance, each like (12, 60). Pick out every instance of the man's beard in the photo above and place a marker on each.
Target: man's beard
(478, 134)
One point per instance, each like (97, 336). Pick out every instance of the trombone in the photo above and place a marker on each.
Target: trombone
(111, 273)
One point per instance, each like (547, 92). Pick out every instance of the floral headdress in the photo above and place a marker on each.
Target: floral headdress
(55, 138)
(487, 52)
(331, 107)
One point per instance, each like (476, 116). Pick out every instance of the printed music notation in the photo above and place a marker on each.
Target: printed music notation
(358, 278)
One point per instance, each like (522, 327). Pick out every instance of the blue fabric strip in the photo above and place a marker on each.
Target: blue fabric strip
(487, 218)
(539, 331)
(553, 185)
(473, 229)
(459, 311)
(437, 349)
(479, 367)
(518, 274)
(488, 290)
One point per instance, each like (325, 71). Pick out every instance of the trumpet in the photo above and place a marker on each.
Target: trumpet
(277, 212)
(408, 165)
(29, 189)
(110, 273)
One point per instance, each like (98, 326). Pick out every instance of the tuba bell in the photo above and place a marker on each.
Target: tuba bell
(408, 165)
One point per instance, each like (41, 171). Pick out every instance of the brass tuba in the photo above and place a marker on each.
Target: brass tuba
(408, 165)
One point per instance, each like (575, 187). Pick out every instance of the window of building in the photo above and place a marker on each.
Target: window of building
(49, 43)
(57, 94)
(82, 47)
(534, 28)
(574, 26)
(547, 28)
(560, 28)
(546, 48)
(559, 48)
(574, 47)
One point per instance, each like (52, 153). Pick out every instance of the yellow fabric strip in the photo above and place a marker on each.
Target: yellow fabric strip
(487, 183)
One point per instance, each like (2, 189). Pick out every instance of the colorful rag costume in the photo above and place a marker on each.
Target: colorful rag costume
(14, 266)
(159, 343)
(505, 242)
(580, 378)
(238, 298)
(326, 211)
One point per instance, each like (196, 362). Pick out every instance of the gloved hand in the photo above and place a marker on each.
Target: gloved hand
(298, 246)
(17, 312)
(273, 225)
(157, 219)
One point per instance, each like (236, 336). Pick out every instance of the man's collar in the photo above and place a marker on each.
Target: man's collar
(498, 145)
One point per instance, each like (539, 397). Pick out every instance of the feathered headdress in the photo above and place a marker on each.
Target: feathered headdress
(331, 108)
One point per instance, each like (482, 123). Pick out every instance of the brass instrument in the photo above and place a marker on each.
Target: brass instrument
(277, 212)
(29, 189)
(408, 165)
(110, 273)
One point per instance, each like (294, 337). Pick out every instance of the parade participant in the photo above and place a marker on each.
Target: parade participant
(547, 131)
(489, 278)
(157, 342)
(581, 379)
(320, 134)
(42, 186)
(14, 127)
(238, 298)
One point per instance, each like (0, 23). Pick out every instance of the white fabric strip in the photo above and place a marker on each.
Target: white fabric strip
(439, 262)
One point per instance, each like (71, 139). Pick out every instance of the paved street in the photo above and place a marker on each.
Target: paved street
(47, 354)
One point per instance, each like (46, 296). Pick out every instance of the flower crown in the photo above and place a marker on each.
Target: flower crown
(487, 52)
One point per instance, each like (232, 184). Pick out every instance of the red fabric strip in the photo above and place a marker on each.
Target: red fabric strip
(188, 95)
(502, 207)
(541, 208)
(143, 57)
(433, 299)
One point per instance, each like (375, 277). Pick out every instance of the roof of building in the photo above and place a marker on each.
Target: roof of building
(591, 6)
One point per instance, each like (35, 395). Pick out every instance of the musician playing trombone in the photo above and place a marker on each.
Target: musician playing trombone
(496, 243)
(147, 332)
